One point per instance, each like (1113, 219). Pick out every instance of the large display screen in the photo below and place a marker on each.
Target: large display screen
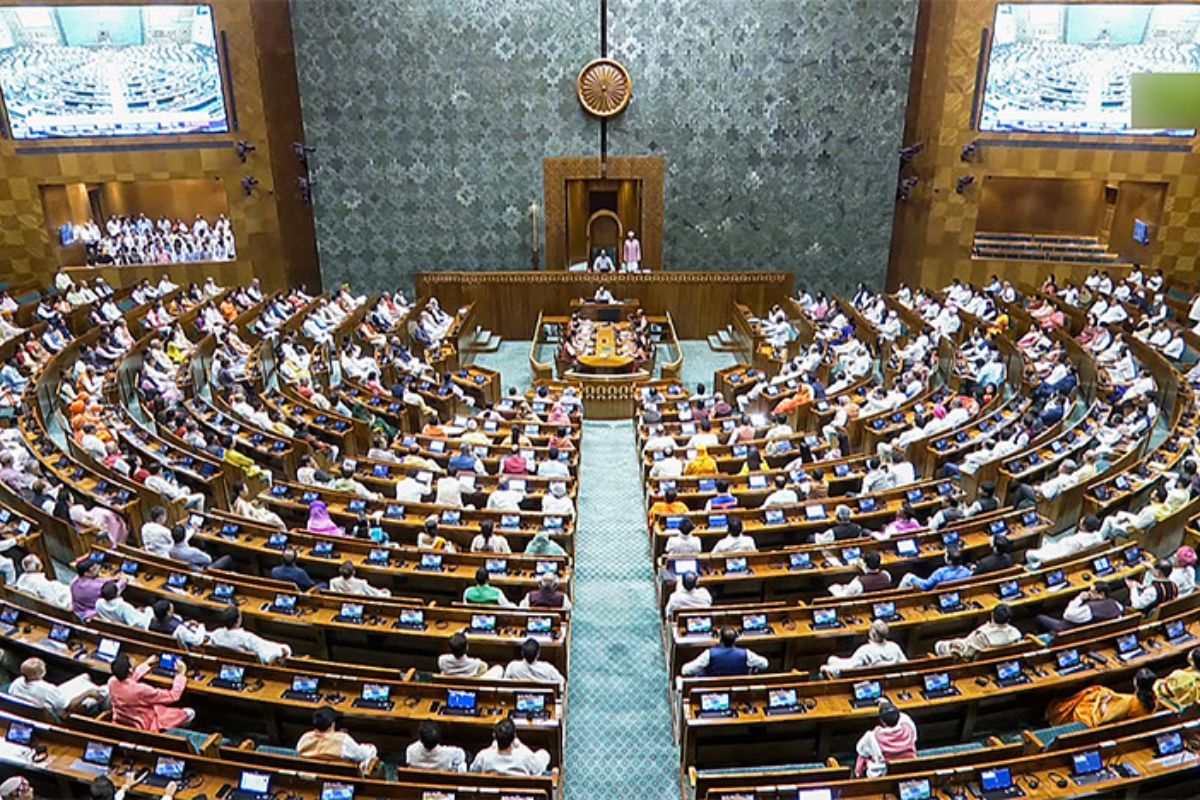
(84, 71)
(1065, 67)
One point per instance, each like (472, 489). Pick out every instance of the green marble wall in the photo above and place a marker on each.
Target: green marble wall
(779, 121)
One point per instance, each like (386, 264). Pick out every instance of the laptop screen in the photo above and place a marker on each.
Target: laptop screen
(19, 733)
(775, 516)
(538, 624)
(1169, 743)
(108, 648)
(1176, 629)
(1068, 658)
(814, 512)
(800, 560)
(169, 768)
(60, 633)
(285, 602)
(460, 700)
(685, 565)
(304, 684)
(376, 692)
(496, 565)
(754, 622)
(824, 616)
(337, 791)
(918, 789)
(1009, 589)
(531, 703)
(867, 690)
(255, 782)
(483, 622)
(737, 564)
(884, 611)
(714, 701)
(699, 624)
(1008, 670)
(231, 673)
(949, 601)
(431, 561)
(412, 616)
(781, 698)
(994, 780)
(352, 611)
(1087, 763)
(98, 753)
(906, 548)
(223, 591)
(1127, 643)
(166, 662)
(937, 682)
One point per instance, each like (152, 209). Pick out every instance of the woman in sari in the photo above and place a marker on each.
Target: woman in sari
(1100, 705)
(319, 520)
(542, 545)
(1182, 686)
(702, 464)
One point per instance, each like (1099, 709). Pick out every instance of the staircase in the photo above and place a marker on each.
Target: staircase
(725, 341)
(483, 341)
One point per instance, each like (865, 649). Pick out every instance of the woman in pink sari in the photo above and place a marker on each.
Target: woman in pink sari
(894, 738)
(320, 522)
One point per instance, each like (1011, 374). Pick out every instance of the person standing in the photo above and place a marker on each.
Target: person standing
(631, 253)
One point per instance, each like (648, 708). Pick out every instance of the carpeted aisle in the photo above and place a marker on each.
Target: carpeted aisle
(619, 741)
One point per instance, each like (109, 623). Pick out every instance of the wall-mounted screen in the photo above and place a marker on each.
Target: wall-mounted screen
(90, 71)
(1065, 68)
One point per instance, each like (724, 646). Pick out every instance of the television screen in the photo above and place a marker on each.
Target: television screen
(91, 71)
(1141, 232)
(1065, 68)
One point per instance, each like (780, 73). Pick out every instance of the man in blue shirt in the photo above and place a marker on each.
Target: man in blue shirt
(465, 461)
(726, 658)
(955, 569)
(289, 570)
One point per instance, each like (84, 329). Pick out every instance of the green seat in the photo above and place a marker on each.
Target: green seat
(196, 739)
(809, 767)
(1047, 736)
(271, 749)
(949, 750)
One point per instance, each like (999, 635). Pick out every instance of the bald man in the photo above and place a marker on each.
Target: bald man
(77, 694)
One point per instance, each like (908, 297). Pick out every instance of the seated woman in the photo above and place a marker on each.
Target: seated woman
(1182, 686)
(1100, 705)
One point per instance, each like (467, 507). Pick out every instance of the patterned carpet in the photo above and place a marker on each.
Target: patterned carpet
(619, 740)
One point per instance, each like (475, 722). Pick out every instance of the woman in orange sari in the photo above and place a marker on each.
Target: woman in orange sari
(1099, 705)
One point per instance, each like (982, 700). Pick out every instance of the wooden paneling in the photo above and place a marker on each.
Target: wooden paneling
(1136, 200)
(508, 303)
(1040, 205)
(934, 229)
(225, 273)
(180, 199)
(272, 234)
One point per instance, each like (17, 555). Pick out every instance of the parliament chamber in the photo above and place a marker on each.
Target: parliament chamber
(461, 401)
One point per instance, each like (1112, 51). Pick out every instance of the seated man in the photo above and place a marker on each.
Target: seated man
(735, 540)
(457, 664)
(113, 608)
(428, 752)
(483, 593)
(726, 658)
(77, 694)
(139, 705)
(232, 636)
(873, 578)
(688, 594)
(878, 649)
(1090, 605)
(996, 632)
(1089, 534)
(894, 738)
(507, 755)
(530, 667)
(955, 569)
(326, 743)
(34, 580)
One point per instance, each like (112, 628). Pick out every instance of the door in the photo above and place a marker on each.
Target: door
(604, 233)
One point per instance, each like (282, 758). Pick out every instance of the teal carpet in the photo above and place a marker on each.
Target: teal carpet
(511, 359)
(619, 739)
(700, 362)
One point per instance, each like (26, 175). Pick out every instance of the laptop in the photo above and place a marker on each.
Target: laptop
(737, 565)
(758, 482)
(350, 613)
(129, 568)
(1133, 555)
(546, 567)
(531, 705)
(165, 667)
(431, 561)
(483, 623)
(97, 759)
(915, 495)
(800, 561)
(223, 592)
(997, 527)
(177, 580)
(1088, 768)
(1057, 580)
(230, 676)
(1168, 744)
(304, 688)
(774, 516)
(825, 618)
(867, 694)
(996, 784)
(683, 566)
(1069, 662)
(539, 625)
(841, 470)
(885, 611)
(376, 696)
(755, 623)
(907, 548)
(851, 554)
(783, 701)
(8, 618)
(917, 789)
(411, 618)
(284, 604)
(510, 521)
(59, 634)
(672, 523)
(1102, 565)
(166, 770)
(19, 733)
(1010, 673)
(379, 557)
(277, 541)
(450, 517)
(1129, 647)
(950, 537)
(949, 602)
(1177, 632)
(866, 504)
(707, 485)
(337, 791)
(1010, 590)
(699, 626)
(496, 566)
(814, 512)
(461, 703)
(323, 549)
(937, 685)
(718, 522)
(394, 512)
(715, 704)
(107, 649)
(252, 786)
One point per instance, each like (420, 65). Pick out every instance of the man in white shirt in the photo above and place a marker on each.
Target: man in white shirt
(529, 667)
(411, 490)
(79, 692)
(688, 594)
(996, 632)
(659, 440)
(428, 752)
(33, 580)
(111, 607)
(232, 636)
(507, 755)
(684, 541)
(458, 664)
(552, 467)
(878, 649)
(703, 437)
(736, 540)
(783, 494)
(156, 536)
(669, 466)
(505, 498)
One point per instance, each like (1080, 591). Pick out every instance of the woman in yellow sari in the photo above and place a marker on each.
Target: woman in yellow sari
(1099, 705)
(1182, 687)
(702, 464)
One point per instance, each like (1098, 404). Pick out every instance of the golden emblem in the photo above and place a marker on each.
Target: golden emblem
(604, 88)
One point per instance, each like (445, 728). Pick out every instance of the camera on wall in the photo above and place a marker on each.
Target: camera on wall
(244, 149)
(960, 187)
(248, 184)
